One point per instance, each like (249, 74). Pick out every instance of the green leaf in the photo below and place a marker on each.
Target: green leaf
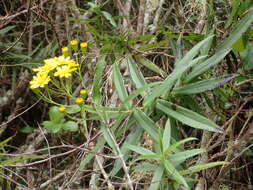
(19, 159)
(235, 4)
(108, 137)
(167, 135)
(149, 157)
(140, 150)
(55, 115)
(140, 91)
(157, 178)
(174, 173)
(239, 45)
(188, 117)
(6, 29)
(154, 45)
(70, 126)
(108, 16)
(203, 85)
(198, 168)
(27, 129)
(240, 28)
(203, 67)
(119, 84)
(180, 157)
(192, 53)
(175, 145)
(132, 138)
(53, 127)
(4, 142)
(146, 123)
(73, 109)
(97, 148)
(248, 59)
(96, 92)
(135, 74)
(151, 66)
(145, 167)
(169, 81)
(139, 39)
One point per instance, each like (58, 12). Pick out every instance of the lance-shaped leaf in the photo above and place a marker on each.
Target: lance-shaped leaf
(169, 81)
(174, 173)
(146, 123)
(180, 157)
(96, 93)
(202, 86)
(188, 117)
(119, 84)
(198, 168)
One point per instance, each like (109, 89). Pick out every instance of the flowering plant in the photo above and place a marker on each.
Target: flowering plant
(55, 76)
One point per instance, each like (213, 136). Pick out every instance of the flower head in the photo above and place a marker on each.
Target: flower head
(73, 42)
(83, 45)
(64, 71)
(65, 51)
(39, 80)
(83, 92)
(50, 64)
(61, 108)
(79, 100)
(66, 61)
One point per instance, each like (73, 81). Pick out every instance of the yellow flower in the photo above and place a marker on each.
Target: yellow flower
(79, 100)
(83, 92)
(64, 49)
(66, 61)
(39, 80)
(61, 108)
(73, 42)
(50, 64)
(64, 71)
(83, 45)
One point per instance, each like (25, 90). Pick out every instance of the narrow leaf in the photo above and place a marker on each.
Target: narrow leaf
(202, 86)
(140, 150)
(174, 173)
(169, 81)
(175, 145)
(207, 64)
(167, 135)
(96, 92)
(157, 178)
(188, 117)
(180, 157)
(198, 168)
(119, 84)
(146, 123)
(240, 28)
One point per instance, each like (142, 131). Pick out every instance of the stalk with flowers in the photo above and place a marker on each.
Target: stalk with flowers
(55, 75)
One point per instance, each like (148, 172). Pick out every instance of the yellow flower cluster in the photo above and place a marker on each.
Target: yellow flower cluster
(64, 67)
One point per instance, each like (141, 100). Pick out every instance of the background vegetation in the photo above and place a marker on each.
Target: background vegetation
(168, 102)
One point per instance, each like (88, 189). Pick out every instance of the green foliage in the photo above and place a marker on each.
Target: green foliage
(169, 160)
(134, 121)
(57, 121)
